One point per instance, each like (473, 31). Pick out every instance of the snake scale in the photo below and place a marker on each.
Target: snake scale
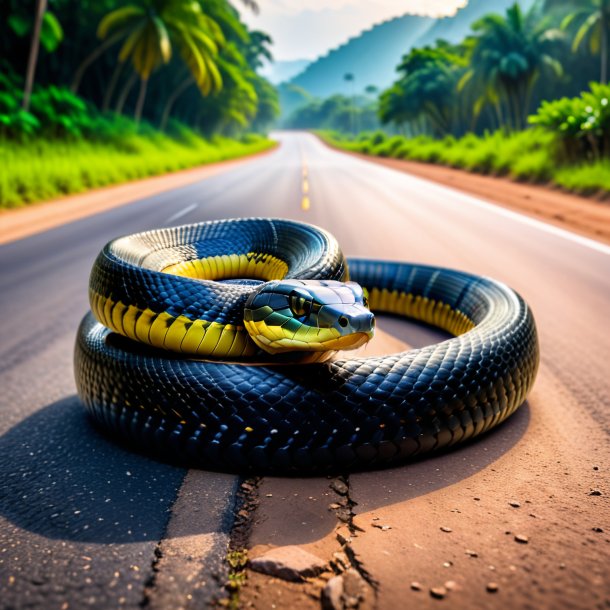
(184, 359)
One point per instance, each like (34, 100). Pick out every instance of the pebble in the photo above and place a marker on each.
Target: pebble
(471, 553)
(438, 592)
(416, 586)
(595, 492)
(521, 538)
(599, 530)
(334, 506)
(332, 594)
(384, 528)
(340, 487)
(595, 467)
(492, 587)
(514, 504)
(289, 563)
(477, 499)
(447, 564)
(451, 585)
(446, 529)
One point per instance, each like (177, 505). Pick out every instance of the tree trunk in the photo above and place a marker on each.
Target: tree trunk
(180, 89)
(140, 103)
(80, 71)
(605, 26)
(114, 81)
(41, 7)
(125, 93)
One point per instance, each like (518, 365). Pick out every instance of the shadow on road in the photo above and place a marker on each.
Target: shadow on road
(66, 481)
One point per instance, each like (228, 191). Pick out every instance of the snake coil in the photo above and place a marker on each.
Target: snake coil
(185, 403)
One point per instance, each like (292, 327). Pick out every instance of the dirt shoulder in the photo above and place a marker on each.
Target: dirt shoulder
(23, 222)
(582, 215)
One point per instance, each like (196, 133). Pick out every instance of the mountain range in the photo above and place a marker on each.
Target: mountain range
(372, 56)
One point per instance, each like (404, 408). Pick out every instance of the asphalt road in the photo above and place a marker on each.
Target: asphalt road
(81, 519)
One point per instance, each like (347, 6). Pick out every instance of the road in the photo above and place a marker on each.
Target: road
(84, 523)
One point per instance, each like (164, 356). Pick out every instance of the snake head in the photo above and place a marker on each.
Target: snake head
(308, 315)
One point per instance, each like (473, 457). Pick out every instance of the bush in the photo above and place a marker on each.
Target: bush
(39, 169)
(530, 155)
(582, 123)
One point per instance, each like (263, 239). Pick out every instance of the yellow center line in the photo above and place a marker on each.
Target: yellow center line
(305, 202)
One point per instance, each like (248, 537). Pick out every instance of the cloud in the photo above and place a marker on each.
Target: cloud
(307, 33)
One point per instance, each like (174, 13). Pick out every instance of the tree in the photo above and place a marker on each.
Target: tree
(509, 53)
(150, 29)
(41, 7)
(593, 23)
(425, 93)
(46, 30)
(350, 78)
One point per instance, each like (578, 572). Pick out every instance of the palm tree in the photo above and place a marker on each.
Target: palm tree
(350, 78)
(509, 53)
(241, 55)
(593, 21)
(150, 29)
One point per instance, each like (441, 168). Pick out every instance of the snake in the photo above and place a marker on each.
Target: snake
(222, 345)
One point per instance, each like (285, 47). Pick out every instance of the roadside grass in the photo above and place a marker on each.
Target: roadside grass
(40, 169)
(533, 155)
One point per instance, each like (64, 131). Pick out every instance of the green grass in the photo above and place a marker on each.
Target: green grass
(42, 169)
(532, 155)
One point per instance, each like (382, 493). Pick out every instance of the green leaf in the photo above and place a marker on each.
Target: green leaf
(19, 24)
(584, 30)
(51, 32)
(120, 18)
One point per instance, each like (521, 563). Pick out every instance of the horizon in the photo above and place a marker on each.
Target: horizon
(334, 22)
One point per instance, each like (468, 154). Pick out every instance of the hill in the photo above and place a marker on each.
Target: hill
(372, 56)
(281, 71)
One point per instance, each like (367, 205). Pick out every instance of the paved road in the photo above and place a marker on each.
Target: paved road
(81, 520)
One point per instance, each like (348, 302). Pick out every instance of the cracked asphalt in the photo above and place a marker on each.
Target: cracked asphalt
(85, 523)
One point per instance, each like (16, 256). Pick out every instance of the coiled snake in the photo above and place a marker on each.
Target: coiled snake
(234, 375)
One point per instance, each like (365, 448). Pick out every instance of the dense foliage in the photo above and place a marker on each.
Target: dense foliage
(569, 145)
(582, 123)
(195, 60)
(496, 77)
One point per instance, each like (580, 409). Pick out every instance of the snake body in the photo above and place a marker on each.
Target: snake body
(170, 367)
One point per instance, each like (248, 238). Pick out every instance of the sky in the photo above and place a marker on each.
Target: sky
(306, 30)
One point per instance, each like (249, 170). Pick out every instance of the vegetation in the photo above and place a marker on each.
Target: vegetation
(196, 61)
(43, 168)
(372, 56)
(488, 103)
(569, 146)
(340, 113)
(71, 117)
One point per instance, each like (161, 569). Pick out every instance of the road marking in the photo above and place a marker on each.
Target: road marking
(540, 224)
(183, 212)
(305, 201)
(497, 209)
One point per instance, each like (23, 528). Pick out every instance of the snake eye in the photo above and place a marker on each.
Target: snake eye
(299, 305)
(365, 298)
